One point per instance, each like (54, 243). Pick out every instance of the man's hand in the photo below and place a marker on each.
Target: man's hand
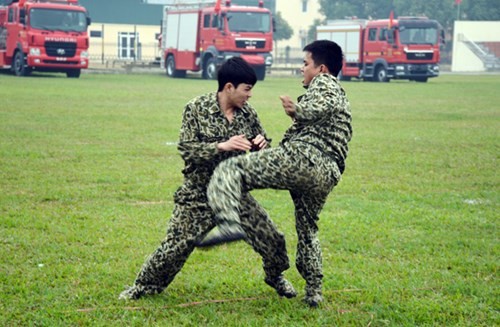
(259, 143)
(235, 143)
(288, 105)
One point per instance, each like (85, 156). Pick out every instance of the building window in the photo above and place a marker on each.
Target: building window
(128, 44)
(303, 38)
(95, 33)
(303, 42)
(304, 5)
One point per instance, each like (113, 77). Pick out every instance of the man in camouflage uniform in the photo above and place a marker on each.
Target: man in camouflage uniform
(309, 161)
(215, 126)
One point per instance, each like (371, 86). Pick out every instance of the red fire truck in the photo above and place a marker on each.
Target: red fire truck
(203, 34)
(44, 35)
(381, 50)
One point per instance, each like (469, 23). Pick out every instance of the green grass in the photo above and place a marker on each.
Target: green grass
(409, 236)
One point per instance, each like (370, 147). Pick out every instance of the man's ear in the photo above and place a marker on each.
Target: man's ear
(229, 86)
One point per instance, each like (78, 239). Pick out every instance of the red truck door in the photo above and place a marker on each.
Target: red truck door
(13, 30)
(371, 46)
(3, 37)
(208, 30)
(376, 44)
(385, 46)
(378, 52)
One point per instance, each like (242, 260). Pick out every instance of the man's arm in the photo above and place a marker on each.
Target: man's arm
(259, 138)
(197, 150)
(318, 101)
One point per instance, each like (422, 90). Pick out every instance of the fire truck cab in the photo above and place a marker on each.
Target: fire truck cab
(44, 35)
(385, 49)
(202, 35)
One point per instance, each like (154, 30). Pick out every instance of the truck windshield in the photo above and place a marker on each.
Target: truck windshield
(61, 20)
(418, 35)
(249, 22)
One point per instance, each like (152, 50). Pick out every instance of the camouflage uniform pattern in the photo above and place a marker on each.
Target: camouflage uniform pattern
(309, 163)
(203, 126)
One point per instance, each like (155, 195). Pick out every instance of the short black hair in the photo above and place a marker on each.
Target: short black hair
(328, 53)
(236, 71)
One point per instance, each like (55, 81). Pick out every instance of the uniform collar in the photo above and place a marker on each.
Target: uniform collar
(321, 76)
(215, 108)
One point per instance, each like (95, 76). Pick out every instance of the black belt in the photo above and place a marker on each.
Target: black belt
(340, 162)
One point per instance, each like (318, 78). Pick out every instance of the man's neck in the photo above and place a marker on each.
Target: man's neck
(226, 108)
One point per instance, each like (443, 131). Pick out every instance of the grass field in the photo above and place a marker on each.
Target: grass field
(89, 167)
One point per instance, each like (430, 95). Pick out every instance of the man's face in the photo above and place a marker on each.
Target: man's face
(239, 95)
(309, 69)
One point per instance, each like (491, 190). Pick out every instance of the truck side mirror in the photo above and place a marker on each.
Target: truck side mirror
(22, 16)
(443, 38)
(274, 25)
(89, 21)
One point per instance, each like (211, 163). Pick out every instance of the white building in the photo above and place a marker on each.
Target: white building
(476, 46)
(300, 15)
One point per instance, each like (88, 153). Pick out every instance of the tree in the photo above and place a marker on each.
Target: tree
(480, 10)
(311, 33)
(444, 11)
(283, 30)
(340, 9)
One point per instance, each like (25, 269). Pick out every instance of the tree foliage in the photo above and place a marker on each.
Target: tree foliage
(340, 9)
(444, 11)
(283, 30)
(311, 33)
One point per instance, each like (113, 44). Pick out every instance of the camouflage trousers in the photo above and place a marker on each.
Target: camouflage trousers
(306, 172)
(190, 222)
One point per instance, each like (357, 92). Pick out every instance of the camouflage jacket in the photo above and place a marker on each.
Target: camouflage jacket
(322, 119)
(203, 126)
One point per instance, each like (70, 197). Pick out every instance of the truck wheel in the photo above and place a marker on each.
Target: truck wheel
(210, 69)
(260, 71)
(73, 73)
(19, 66)
(171, 71)
(341, 77)
(381, 74)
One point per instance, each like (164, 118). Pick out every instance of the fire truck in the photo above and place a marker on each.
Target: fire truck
(45, 36)
(385, 49)
(201, 35)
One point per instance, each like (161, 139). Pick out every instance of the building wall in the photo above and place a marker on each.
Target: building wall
(300, 17)
(463, 59)
(111, 42)
(123, 12)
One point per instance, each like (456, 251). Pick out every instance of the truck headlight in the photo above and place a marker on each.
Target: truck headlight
(84, 54)
(400, 70)
(34, 51)
(269, 60)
